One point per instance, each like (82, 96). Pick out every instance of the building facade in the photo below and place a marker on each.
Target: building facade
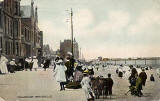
(1, 26)
(20, 35)
(10, 28)
(31, 34)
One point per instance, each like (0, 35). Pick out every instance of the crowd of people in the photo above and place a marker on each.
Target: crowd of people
(11, 65)
(94, 86)
(71, 73)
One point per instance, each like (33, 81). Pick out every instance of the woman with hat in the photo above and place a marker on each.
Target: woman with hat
(35, 63)
(91, 71)
(85, 83)
(60, 73)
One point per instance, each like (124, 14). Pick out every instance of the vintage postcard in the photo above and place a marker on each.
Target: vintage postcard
(79, 50)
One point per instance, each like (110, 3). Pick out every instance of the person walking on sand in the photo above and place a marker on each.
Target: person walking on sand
(109, 85)
(152, 78)
(143, 76)
(60, 74)
(85, 83)
(139, 86)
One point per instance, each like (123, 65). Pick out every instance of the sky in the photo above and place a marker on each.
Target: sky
(107, 28)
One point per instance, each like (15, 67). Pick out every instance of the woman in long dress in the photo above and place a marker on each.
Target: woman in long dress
(35, 63)
(60, 73)
(3, 64)
(85, 83)
(158, 72)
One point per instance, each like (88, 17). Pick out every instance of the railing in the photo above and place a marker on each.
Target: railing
(142, 62)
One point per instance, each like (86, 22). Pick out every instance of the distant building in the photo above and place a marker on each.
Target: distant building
(66, 46)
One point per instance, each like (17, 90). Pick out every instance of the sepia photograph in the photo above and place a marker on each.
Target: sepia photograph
(79, 50)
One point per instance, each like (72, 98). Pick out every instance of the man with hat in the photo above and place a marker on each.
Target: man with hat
(109, 84)
(85, 83)
(143, 75)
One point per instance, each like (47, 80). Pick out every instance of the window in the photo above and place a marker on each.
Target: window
(16, 28)
(25, 34)
(17, 49)
(0, 18)
(8, 25)
(0, 42)
(6, 48)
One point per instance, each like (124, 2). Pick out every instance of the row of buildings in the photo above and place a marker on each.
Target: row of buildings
(20, 35)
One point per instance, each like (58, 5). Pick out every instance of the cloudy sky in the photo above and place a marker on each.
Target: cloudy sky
(107, 28)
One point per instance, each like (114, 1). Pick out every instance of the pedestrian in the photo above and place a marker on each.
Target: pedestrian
(143, 76)
(78, 75)
(97, 67)
(152, 78)
(46, 64)
(53, 64)
(28, 62)
(117, 71)
(109, 85)
(69, 72)
(60, 74)
(35, 63)
(158, 72)
(3, 64)
(139, 86)
(132, 79)
(12, 66)
(85, 83)
(19, 65)
(91, 71)
(120, 73)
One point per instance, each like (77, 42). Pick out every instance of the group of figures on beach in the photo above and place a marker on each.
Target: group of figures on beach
(73, 74)
(77, 75)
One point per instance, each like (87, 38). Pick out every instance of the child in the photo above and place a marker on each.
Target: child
(85, 83)
(109, 85)
(152, 78)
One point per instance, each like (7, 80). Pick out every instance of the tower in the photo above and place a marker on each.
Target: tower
(36, 14)
(32, 8)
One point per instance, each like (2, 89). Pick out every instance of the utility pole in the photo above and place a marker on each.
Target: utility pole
(79, 53)
(72, 32)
